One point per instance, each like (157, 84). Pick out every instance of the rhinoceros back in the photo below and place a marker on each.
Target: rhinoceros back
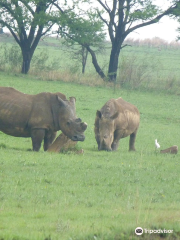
(15, 108)
(130, 116)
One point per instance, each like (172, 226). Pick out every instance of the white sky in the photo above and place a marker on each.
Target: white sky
(165, 29)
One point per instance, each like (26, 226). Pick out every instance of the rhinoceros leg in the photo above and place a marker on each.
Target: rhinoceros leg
(48, 139)
(115, 145)
(117, 137)
(96, 131)
(132, 141)
(37, 136)
(97, 140)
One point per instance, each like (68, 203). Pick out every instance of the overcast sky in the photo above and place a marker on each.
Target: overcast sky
(165, 29)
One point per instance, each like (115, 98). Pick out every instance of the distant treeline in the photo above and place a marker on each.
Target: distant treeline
(154, 42)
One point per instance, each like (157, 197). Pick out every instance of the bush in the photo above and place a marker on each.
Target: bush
(41, 61)
(135, 71)
(10, 58)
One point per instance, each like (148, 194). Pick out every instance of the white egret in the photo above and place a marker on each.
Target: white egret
(157, 144)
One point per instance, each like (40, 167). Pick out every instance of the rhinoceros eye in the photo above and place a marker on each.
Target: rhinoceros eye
(68, 123)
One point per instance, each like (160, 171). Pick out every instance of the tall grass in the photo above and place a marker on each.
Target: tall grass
(135, 72)
(143, 72)
(10, 58)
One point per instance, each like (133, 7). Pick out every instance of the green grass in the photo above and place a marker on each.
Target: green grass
(96, 195)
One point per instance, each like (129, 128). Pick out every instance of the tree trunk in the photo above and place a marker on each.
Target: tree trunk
(95, 63)
(27, 56)
(84, 58)
(113, 63)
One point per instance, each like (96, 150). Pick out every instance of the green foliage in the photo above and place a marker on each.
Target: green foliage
(10, 58)
(80, 29)
(137, 71)
(18, 15)
(41, 61)
(96, 195)
(121, 18)
(143, 10)
(27, 21)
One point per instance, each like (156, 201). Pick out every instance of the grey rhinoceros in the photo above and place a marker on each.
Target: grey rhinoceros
(39, 116)
(116, 119)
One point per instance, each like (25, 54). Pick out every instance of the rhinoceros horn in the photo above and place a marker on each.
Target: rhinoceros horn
(83, 126)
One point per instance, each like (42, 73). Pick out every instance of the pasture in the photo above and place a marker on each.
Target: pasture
(97, 195)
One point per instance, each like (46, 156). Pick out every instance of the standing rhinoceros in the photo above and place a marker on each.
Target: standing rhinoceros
(116, 119)
(39, 116)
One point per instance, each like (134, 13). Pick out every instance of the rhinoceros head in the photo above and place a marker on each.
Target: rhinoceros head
(106, 131)
(68, 123)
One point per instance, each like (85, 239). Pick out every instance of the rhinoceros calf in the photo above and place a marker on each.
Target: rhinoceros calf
(117, 119)
(39, 116)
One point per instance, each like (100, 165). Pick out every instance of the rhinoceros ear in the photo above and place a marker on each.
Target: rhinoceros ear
(61, 101)
(114, 116)
(98, 114)
(73, 100)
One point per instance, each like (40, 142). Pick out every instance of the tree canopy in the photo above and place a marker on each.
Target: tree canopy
(122, 17)
(77, 25)
(27, 21)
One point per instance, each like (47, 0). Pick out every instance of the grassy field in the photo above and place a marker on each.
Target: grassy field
(97, 195)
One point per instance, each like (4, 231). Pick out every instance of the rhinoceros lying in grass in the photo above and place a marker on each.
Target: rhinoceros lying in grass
(39, 116)
(116, 119)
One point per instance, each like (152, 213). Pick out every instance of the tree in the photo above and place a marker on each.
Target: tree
(78, 53)
(83, 27)
(1, 29)
(122, 17)
(28, 21)
(176, 14)
(84, 54)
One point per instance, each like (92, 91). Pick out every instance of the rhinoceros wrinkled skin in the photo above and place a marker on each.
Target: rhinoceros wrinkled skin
(39, 116)
(117, 119)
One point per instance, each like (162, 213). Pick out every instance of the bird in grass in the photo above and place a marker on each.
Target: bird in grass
(157, 144)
